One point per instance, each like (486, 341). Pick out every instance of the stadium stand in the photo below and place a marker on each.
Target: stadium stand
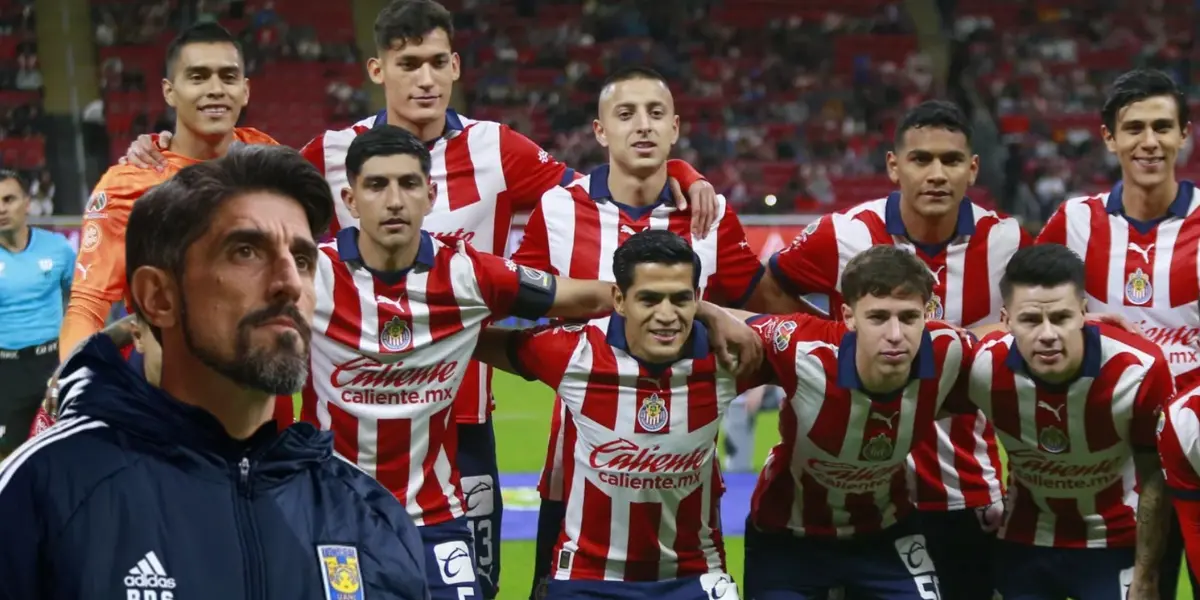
(22, 144)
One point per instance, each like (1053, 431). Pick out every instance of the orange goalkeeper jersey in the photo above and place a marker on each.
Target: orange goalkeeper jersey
(99, 279)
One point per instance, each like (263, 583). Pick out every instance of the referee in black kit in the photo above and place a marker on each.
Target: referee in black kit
(35, 278)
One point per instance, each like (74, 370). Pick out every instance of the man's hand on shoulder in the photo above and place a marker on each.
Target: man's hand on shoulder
(703, 198)
(146, 152)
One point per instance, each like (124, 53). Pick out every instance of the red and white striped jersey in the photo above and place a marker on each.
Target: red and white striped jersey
(1179, 449)
(1072, 482)
(485, 172)
(957, 468)
(389, 352)
(1146, 272)
(839, 468)
(574, 233)
(641, 494)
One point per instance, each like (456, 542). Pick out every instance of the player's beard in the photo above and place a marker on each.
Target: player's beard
(275, 371)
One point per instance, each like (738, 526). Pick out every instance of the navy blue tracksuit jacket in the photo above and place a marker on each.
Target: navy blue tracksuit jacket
(135, 495)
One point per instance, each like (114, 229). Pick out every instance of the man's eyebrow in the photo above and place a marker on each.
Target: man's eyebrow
(303, 246)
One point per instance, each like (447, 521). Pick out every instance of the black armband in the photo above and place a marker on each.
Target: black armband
(535, 293)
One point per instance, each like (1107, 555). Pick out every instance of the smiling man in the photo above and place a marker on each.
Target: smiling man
(206, 85)
(1139, 241)
(1075, 405)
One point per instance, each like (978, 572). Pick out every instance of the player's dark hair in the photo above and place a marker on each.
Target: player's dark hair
(630, 74)
(6, 174)
(1042, 265)
(407, 21)
(884, 271)
(1138, 85)
(386, 140)
(653, 246)
(934, 114)
(200, 33)
(169, 218)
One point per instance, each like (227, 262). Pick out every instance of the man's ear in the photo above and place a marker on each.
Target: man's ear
(350, 201)
(848, 317)
(618, 301)
(155, 293)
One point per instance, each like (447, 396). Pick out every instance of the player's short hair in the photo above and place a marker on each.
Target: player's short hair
(200, 33)
(1042, 265)
(385, 140)
(410, 21)
(629, 74)
(884, 271)
(934, 114)
(653, 246)
(7, 174)
(169, 218)
(1138, 85)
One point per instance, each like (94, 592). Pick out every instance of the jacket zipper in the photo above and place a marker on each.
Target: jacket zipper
(256, 586)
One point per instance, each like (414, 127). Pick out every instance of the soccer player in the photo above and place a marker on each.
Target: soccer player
(1179, 449)
(206, 85)
(485, 173)
(965, 247)
(35, 278)
(832, 508)
(1140, 241)
(1075, 406)
(398, 316)
(646, 397)
(575, 230)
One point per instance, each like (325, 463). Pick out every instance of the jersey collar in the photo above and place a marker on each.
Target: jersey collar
(1091, 359)
(347, 249)
(1178, 207)
(895, 224)
(599, 192)
(848, 378)
(695, 348)
(453, 122)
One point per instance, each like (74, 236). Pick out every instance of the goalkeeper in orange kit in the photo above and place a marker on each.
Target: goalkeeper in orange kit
(206, 85)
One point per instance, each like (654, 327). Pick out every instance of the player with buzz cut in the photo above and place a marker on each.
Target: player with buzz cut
(206, 84)
(965, 247)
(831, 509)
(575, 230)
(1141, 240)
(646, 397)
(485, 173)
(397, 318)
(1075, 405)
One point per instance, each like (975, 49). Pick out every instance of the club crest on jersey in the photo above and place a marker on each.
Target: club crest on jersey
(1162, 422)
(46, 264)
(1138, 289)
(395, 335)
(340, 571)
(781, 335)
(1053, 440)
(878, 448)
(652, 414)
(933, 309)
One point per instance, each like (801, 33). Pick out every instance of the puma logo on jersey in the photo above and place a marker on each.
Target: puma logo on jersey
(82, 270)
(937, 273)
(627, 230)
(1057, 410)
(1145, 253)
(889, 419)
(389, 301)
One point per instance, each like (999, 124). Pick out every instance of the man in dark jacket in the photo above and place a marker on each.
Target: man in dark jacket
(187, 490)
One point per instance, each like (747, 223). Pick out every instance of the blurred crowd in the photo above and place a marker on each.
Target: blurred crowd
(21, 86)
(1033, 78)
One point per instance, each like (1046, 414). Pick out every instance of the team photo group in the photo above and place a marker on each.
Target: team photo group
(299, 403)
